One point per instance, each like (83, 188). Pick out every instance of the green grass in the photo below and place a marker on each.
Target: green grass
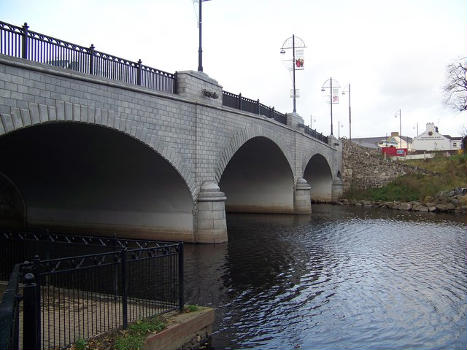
(133, 338)
(80, 344)
(191, 308)
(451, 172)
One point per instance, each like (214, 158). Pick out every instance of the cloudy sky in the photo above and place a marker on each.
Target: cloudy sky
(393, 53)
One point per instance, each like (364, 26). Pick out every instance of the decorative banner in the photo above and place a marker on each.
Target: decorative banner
(299, 59)
(335, 95)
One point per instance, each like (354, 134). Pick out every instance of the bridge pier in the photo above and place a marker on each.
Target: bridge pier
(337, 189)
(212, 226)
(302, 199)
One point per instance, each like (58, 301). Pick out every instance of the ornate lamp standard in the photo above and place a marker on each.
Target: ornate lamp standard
(293, 43)
(333, 86)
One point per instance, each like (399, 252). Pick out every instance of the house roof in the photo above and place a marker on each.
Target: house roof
(372, 142)
(453, 138)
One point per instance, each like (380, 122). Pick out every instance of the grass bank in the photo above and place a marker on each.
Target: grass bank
(449, 173)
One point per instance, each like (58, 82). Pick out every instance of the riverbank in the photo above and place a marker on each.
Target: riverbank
(449, 204)
(435, 185)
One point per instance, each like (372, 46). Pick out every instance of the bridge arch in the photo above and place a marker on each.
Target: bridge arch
(38, 114)
(13, 210)
(258, 178)
(243, 136)
(92, 176)
(317, 172)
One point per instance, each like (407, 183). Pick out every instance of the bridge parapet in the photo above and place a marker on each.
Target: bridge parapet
(198, 86)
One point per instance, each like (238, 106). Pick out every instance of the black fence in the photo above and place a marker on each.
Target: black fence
(77, 297)
(9, 312)
(245, 104)
(313, 133)
(23, 43)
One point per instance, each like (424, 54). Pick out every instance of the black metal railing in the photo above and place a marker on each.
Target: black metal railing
(23, 43)
(9, 312)
(313, 133)
(80, 296)
(253, 106)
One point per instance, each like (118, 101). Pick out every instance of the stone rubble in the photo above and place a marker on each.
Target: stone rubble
(454, 203)
(365, 168)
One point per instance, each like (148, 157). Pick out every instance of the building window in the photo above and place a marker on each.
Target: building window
(454, 144)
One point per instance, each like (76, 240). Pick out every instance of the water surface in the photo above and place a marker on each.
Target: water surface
(341, 278)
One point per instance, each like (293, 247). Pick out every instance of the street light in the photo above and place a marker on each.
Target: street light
(339, 126)
(311, 121)
(200, 23)
(350, 113)
(400, 126)
(333, 86)
(294, 42)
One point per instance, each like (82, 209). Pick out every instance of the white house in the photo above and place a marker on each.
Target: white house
(432, 140)
(396, 141)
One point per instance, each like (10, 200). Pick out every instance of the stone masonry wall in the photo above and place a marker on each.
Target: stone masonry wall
(366, 168)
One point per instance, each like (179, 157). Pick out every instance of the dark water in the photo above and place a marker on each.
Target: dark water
(344, 278)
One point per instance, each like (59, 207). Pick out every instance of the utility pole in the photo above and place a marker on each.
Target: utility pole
(350, 118)
(330, 96)
(350, 114)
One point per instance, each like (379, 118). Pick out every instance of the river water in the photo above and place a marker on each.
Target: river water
(344, 278)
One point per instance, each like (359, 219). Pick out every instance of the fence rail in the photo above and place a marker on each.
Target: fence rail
(24, 43)
(315, 134)
(246, 104)
(68, 298)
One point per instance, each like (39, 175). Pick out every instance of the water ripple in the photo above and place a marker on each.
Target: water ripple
(346, 278)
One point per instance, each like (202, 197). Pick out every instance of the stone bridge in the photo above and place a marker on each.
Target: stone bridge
(84, 153)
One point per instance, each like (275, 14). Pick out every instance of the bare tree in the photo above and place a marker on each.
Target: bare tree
(456, 86)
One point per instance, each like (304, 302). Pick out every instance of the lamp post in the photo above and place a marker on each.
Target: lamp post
(339, 126)
(333, 98)
(293, 43)
(311, 121)
(400, 126)
(350, 113)
(200, 24)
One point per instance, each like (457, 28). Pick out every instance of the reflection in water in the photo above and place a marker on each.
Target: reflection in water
(340, 278)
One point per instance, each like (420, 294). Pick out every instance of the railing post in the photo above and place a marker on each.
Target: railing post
(240, 101)
(257, 103)
(181, 288)
(175, 87)
(31, 312)
(24, 53)
(124, 288)
(91, 59)
(273, 116)
(138, 78)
